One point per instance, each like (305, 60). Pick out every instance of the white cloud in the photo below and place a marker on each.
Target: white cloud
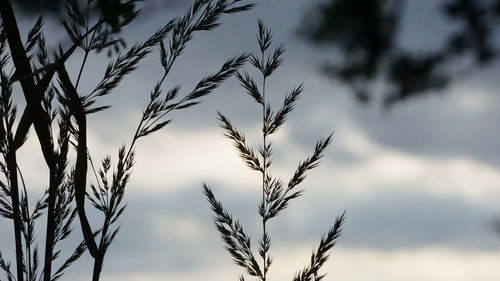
(174, 159)
(348, 264)
(430, 264)
(378, 166)
(167, 227)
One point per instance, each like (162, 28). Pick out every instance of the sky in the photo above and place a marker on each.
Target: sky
(419, 183)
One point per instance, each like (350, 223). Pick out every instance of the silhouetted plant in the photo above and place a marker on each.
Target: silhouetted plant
(29, 64)
(276, 194)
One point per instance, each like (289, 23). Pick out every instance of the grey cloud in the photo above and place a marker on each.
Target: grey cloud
(386, 221)
(406, 219)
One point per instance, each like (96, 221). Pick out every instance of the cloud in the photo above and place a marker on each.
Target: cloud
(419, 183)
(431, 264)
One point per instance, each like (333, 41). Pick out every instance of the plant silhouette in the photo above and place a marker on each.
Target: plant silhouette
(58, 111)
(276, 194)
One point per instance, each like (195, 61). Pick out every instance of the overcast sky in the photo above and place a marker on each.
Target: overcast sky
(419, 183)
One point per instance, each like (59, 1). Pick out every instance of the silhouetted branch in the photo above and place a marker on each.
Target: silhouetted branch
(364, 36)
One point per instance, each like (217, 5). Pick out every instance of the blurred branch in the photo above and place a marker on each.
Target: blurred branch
(363, 35)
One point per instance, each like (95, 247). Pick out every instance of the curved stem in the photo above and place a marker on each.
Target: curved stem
(81, 161)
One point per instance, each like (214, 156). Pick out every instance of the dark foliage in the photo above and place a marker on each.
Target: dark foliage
(364, 33)
(108, 8)
(59, 107)
(275, 195)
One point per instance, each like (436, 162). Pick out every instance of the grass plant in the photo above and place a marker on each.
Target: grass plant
(58, 111)
(277, 194)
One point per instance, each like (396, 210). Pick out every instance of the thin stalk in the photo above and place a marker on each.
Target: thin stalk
(99, 260)
(134, 139)
(10, 157)
(14, 194)
(87, 48)
(81, 68)
(93, 168)
(27, 244)
(51, 226)
(136, 134)
(27, 249)
(264, 171)
(184, 99)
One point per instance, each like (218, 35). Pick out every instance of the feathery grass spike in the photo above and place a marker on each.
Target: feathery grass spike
(276, 195)
(62, 107)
